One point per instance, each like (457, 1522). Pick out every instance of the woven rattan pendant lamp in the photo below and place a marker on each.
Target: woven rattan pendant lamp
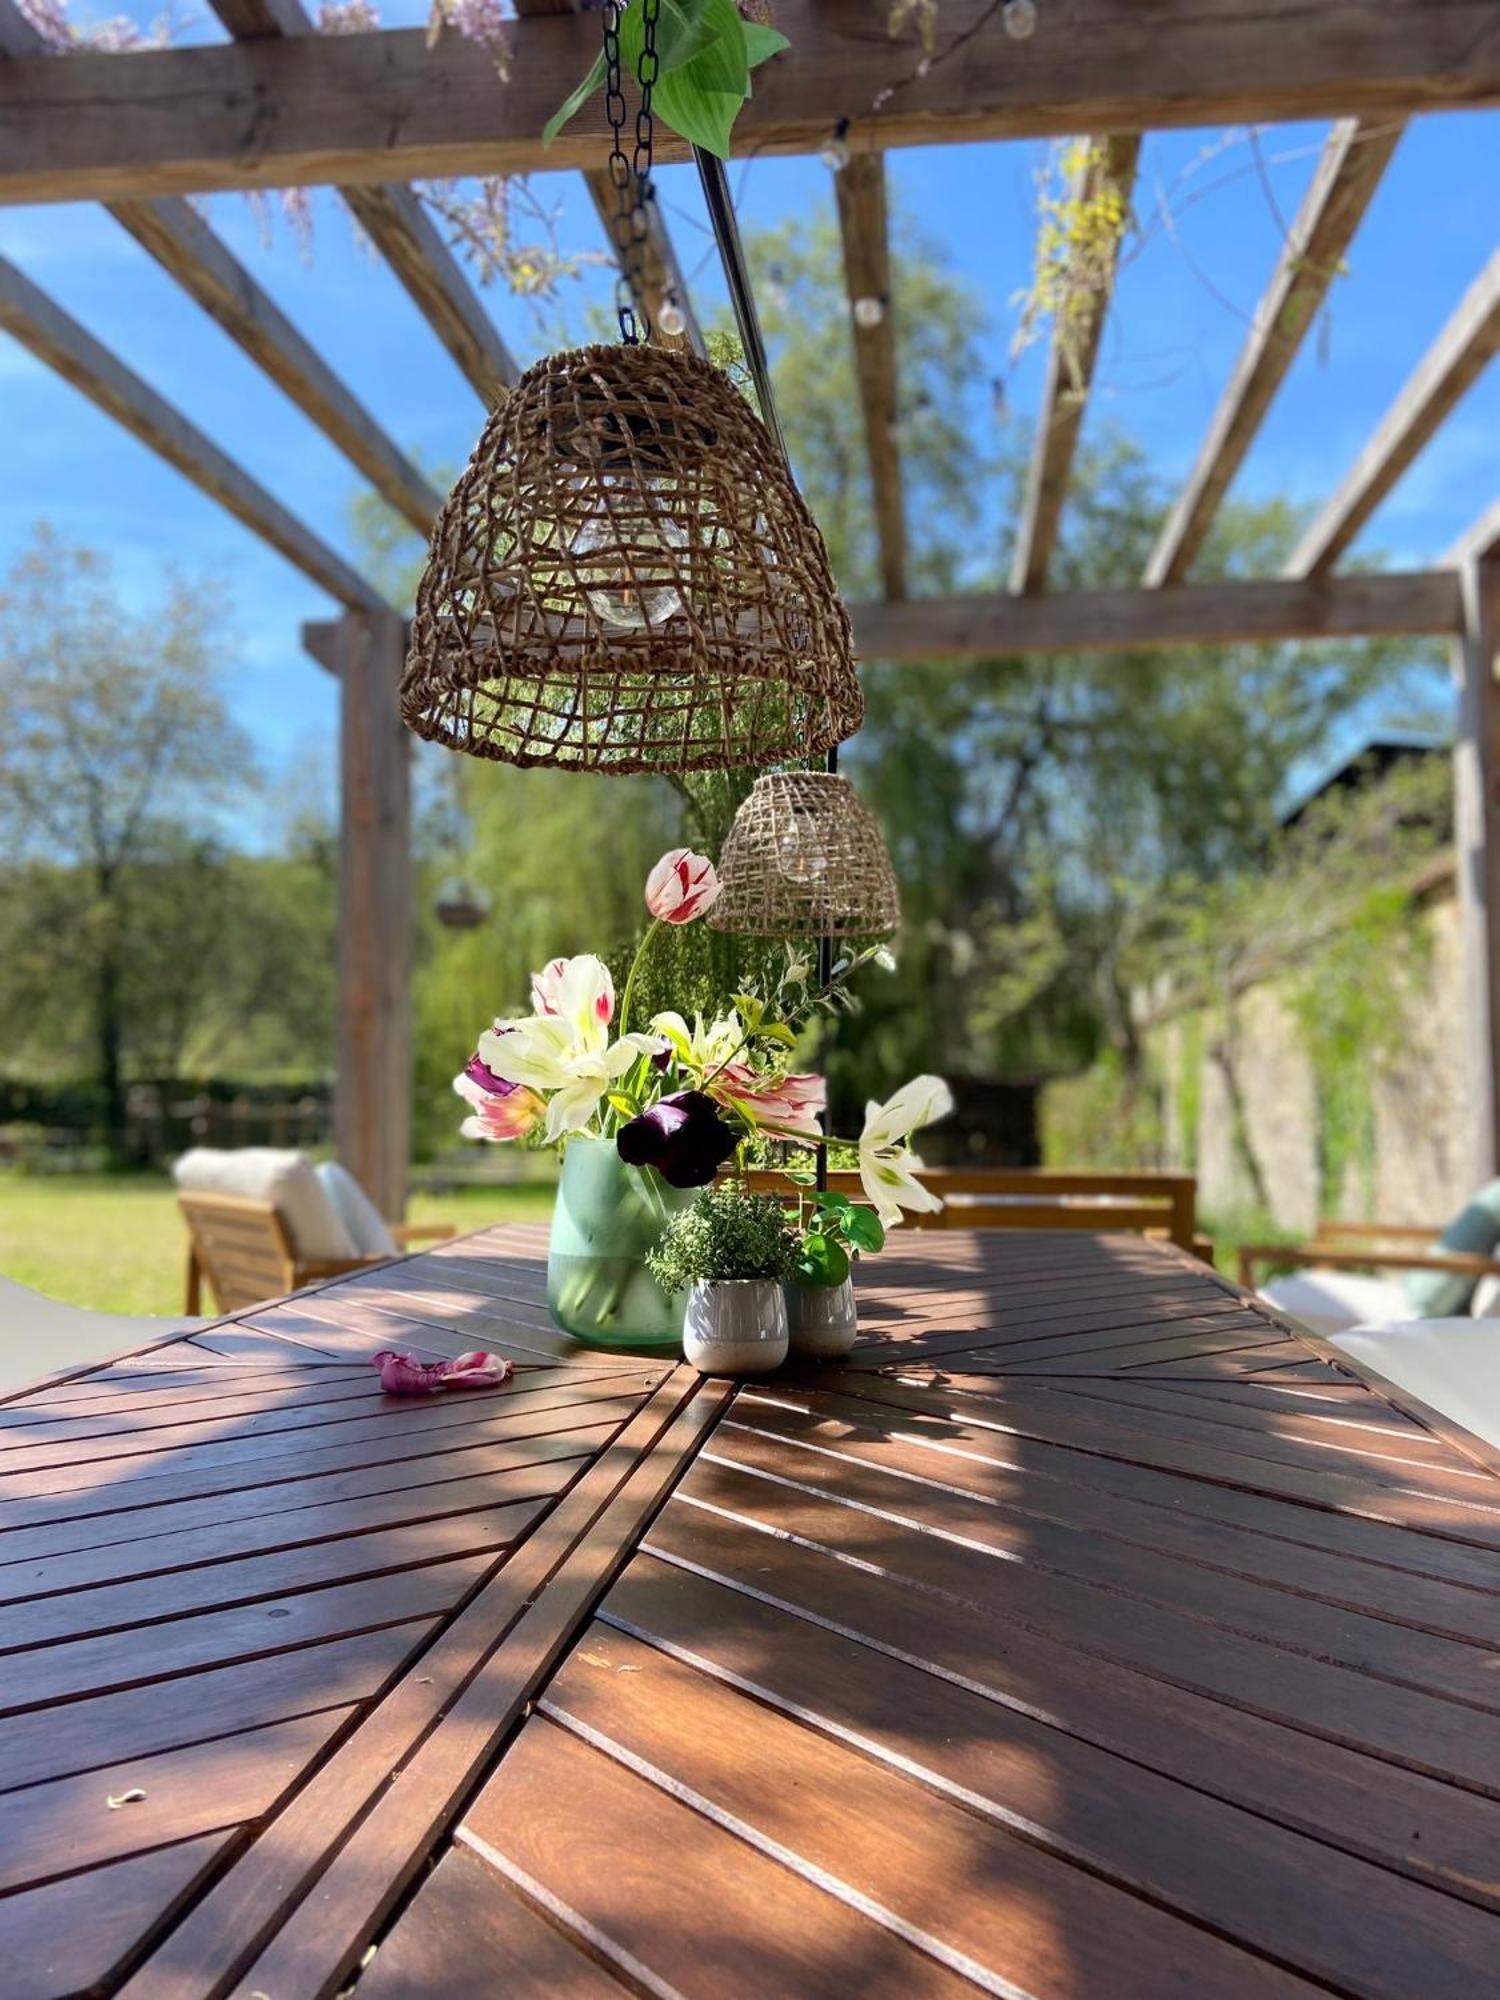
(625, 578)
(805, 858)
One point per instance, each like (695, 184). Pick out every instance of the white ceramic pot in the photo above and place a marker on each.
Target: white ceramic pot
(821, 1319)
(736, 1326)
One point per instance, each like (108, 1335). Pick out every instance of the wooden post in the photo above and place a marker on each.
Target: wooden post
(372, 1095)
(1476, 799)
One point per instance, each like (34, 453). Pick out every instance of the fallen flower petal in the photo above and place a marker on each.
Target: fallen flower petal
(130, 1798)
(405, 1375)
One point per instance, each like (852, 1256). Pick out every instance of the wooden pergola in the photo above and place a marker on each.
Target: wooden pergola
(278, 105)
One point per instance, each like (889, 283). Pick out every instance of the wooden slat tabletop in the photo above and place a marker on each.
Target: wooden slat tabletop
(1087, 1632)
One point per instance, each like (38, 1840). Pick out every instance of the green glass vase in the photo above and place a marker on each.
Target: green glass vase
(606, 1218)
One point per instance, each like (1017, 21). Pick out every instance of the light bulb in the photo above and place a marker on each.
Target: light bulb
(834, 153)
(799, 852)
(868, 312)
(1019, 19)
(631, 581)
(672, 319)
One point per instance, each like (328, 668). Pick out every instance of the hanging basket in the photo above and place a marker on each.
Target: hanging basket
(461, 905)
(805, 858)
(626, 579)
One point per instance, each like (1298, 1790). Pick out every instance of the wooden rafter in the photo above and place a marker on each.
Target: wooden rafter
(1445, 373)
(864, 225)
(655, 274)
(43, 327)
(357, 109)
(183, 244)
(1127, 620)
(1481, 543)
(399, 227)
(1353, 162)
(1070, 373)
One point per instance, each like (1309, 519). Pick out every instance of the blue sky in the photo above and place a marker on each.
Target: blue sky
(1177, 323)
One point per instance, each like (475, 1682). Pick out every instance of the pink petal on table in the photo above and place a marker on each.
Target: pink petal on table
(405, 1375)
(475, 1369)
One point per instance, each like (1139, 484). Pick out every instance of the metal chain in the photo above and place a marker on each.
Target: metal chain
(631, 179)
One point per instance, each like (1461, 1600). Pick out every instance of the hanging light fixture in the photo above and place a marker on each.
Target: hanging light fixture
(805, 858)
(625, 578)
(461, 905)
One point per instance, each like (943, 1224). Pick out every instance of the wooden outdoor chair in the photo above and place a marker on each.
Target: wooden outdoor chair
(1372, 1247)
(244, 1251)
(1149, 1204)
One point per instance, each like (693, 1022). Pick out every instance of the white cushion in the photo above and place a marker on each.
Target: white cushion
(362, 1220)
(1485, 1303)
(1329, 1301)
(1452, 1364)
(39, 1335)
(284, 1179)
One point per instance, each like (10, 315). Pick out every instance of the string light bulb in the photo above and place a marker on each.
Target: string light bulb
(1019, 19)
(868, 313)
(671, 319)
(834, 152)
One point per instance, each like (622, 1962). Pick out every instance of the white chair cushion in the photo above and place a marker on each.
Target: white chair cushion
(1452, 1364)
(286, 1180)
(362, 1220)
(1485, 1303)
(1331, 1301)
(39, 1335)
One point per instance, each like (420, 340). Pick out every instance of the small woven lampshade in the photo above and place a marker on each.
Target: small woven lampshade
(626, 579)
(805, 858)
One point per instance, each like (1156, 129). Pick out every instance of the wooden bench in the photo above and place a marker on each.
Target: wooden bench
(1149, 1204)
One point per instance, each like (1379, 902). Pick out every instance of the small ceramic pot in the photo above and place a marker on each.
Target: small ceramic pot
(736, 1326)
(821, 1319)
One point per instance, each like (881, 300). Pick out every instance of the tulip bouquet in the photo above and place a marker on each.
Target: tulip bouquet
(682, 1098)
(677, 1095)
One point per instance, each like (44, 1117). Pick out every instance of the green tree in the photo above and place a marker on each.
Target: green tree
(114, 739)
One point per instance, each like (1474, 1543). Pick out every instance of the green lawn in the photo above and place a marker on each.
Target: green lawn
(117, 1242)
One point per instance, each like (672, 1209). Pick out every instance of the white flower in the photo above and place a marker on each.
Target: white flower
(888, 1168)
(563, 1050)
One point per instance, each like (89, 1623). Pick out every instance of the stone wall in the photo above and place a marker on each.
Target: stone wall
(1420, 1170)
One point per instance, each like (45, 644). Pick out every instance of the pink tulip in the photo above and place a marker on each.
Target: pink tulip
(681, 886)
(405, 1375)
(790, 1105)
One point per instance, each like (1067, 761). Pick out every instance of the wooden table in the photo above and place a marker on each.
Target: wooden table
(1089, 1633)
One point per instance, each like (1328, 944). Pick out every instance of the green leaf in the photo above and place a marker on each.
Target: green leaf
(683, 29)
(626, 1106)
(574, 102)
(702, 99)
(863, 1228)
(761, 43)
(823, 1261)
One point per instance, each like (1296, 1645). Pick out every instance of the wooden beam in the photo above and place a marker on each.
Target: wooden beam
(400, 228)
(1450, 367)
(50, 334)
(1134, 620)
(865, 228)
(180, 240)
(1354, 159)
(357, 109)
(1111, 164)
(372, 1094)
(1476, 805)
(1480, 543)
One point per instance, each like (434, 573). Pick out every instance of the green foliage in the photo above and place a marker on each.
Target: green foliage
(705, 50)
(1108, 1117)
(725, 1234)
(832, 1229)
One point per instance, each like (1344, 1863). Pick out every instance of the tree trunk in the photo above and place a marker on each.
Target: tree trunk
(109, 1039)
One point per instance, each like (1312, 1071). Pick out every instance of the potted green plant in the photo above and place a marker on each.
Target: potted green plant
(731, 1253)
(831, 1230)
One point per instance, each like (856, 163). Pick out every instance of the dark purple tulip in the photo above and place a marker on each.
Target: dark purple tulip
(682, 1136)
